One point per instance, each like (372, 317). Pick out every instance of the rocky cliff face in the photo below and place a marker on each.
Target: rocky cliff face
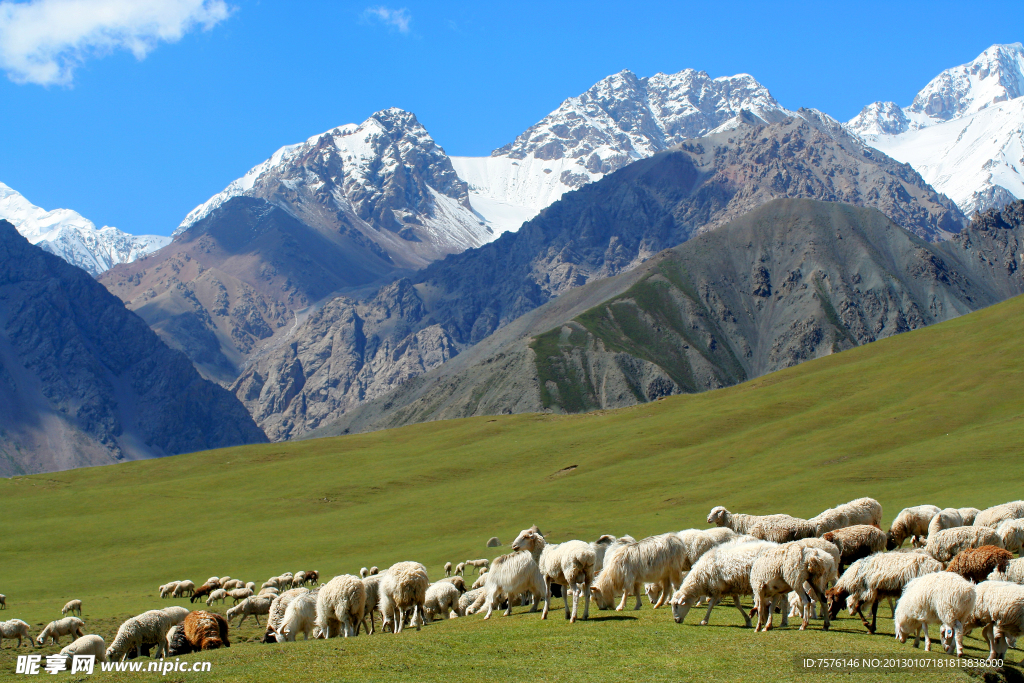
(603, 229)
(83, 381)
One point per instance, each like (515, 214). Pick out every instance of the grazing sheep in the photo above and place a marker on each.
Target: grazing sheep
(968, 515)
(740, 523)
(947, 518)
(372, 586)
(600, 547)
(460, 568)
(512, 574)
(493, 542)
(940, 598)
(61, 627)
(1013, 573)
(278, 606)
(271, 583)
(479, 564)
(339, 606)
(479, 583)
(3, 601)
(447, 569)
(861, 511)
(219, 595)
(721, 572)
(1011, 532)
(200, 631)
(86, 645)
(269, 591)
(833, 551)
(403, 588)
(782, 528)
(299, 617)
(911, 523)
(999, 610)
(253, 605)
(231, 584)
(213, 579)
(204, 590)
(239, 594)
(873, 578)
(299, 579)
(441, 599)
(856, 542)
(999, 513)
(148, 628)
(789, 568)
(975, 564)
(946, 544)
(73, 606)
(656, 559)
(364, 572)
(312, 577)
(168, 588)
(569, 564)
(251, 585)
(183, 589)
(14, 628)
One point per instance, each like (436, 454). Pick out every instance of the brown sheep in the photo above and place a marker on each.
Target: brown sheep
(201, 630)
(312, 577)
(856, 542)
(975, 564)
(204, 590)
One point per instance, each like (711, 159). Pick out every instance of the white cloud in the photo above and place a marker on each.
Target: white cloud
(42, 41)
(396, 18)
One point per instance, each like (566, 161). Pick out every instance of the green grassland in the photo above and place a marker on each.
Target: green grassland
(935, 415)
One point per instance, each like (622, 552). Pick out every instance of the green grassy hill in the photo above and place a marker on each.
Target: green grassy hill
(931, 416)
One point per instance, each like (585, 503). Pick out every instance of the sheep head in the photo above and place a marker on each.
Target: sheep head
(837, 599)
(718, 516)
(529, 539)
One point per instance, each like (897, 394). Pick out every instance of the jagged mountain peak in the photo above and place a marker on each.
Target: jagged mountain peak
(997, 75)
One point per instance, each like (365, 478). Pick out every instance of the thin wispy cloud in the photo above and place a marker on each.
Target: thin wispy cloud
(397, 19)
(43, 41)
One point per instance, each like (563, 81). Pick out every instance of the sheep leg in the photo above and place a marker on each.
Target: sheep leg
(586, 601)
(763, 608)
(874, 617)
(664, 593)
(711, 604)
(547, 598)
(958, 637)
(622, 603)
(638, 589)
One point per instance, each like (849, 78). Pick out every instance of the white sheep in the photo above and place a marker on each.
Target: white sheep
(441, 600)
(271, 583)
(945, 545)
(213, 579)
(372, 586)
(299, 617)
(947, 518)
(364, 572)
(600, 547)
(231, 584)
(1011, 532)
(339, 606)
(86, 645)
(374, 571)
(941, 598)
(239, 594)
(787, 568)
(998, 513)
(403, 587)
(146, 629)
(911, 523)
(251, 605)
(219, 595)
(968, 515)
(168, 588)
(656, 559)
(510, 575)
(61, 627)
(3, 601)
(176, 613)
(72, 606)
(14, 628)
(999, 610)
(460, 568)
(269, 591)
(860, 511)
(447, 569)
(478, 564)
(184, 589)
(721, 572)
(298, 579)
(472, 601)
(569, 564)
(278, 606)
(1014, 572)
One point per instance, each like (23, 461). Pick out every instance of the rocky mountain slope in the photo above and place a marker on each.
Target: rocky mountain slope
(620, 119)
(964, 131)
(74, 238)
(85, 382)
(790, 281)
(352, 350)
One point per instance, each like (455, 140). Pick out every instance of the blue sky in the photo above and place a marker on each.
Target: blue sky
(137, 143)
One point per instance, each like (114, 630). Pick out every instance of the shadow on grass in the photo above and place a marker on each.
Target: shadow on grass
(613, 617)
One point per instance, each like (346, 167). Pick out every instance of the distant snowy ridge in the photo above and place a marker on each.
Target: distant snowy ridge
(964, 131)
(74, 238)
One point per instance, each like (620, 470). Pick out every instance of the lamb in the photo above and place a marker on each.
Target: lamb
(183, 588)
(252, 605)
(200, 631)
(999, 610)
(239, 594)
(911, 523)
(339, 606)
(14, 628)
(873, 578)
(219, 595)
(86, 645)
(941, 598)
(856, 542)
(442, 598)
(975, 564)
(790, 567)
(299, 616)
(721, 572)
(999, 513)
(946, 544)
(231, 584)
(372, 586)
(569, 564)
(403, 587)
(861, 511)
(148, 628)
(460, 568)
(61, 627)
(168, 588)
(1011, 532)
(656, 559)
(278, 606)
(479, 564)
(447, 569)
(204, 590)
(72, 606)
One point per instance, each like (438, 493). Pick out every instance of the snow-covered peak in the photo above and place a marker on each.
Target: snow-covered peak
(997, 75)
(73, 237)
(879, 118)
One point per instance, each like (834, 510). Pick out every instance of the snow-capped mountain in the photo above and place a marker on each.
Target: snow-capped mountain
(75, 239)
(385, 177)
(620, 119)
(964, 131)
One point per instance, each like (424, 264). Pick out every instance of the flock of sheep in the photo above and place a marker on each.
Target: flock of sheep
(958, 572)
